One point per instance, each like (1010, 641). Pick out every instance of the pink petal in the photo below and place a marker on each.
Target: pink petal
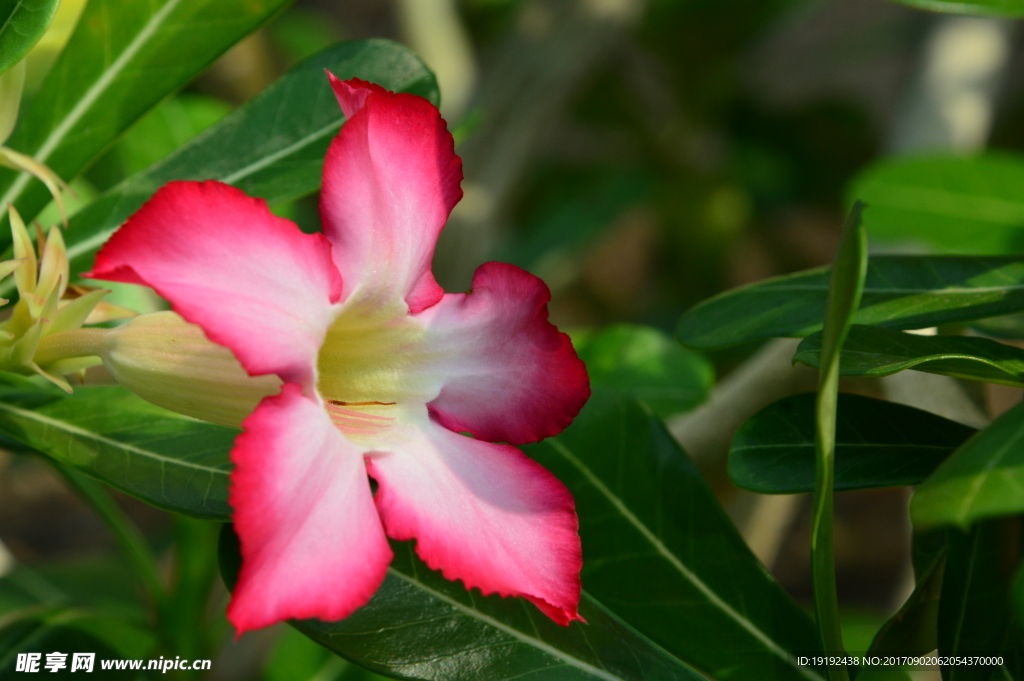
(483, 513)
(508, 374)
(251, 280)
(391, 177)
(312, 542)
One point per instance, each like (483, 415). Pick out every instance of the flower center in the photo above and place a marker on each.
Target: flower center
(374, 359)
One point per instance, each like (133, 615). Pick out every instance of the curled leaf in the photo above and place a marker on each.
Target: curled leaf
(26, 164)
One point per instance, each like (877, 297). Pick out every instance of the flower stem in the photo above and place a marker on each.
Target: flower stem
(823, 567)
(70, 344)
(845, 288)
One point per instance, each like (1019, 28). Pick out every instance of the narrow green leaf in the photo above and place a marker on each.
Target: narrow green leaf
(22, 24)
(655, 541)
(950, 204)
(982, 479)
(123, 58)
(900, 292)
(421, 626)
(165, 459)
(875, 351)
(985, 8)
(647, 364)
(974, 611)
(878, 444)
(273, 147)
(913, 630)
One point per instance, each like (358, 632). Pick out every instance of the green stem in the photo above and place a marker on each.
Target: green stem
(128, 537)
(845, 288)
(823, 566)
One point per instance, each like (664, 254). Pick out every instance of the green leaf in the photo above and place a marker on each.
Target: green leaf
(913, 630)
(647, 364)
(167, 460)
(420, 625)
(949, 204)
(982, 479)
(900, 292)
(22, 24)
(659, 551)
(167, 127)
(273, 147)
(94, 599)
(974, 612)
(296, 657)
(67, 632)
(97, 584)
(878, 444)
(988, 8)
(875, 351)
(124, 57)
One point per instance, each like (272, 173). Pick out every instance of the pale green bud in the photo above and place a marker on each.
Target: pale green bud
(171, 363)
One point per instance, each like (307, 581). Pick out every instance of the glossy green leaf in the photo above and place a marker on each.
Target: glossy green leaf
(900, 292)
(982, 479)
(876, 351)
(168, 126)
(647, 364)
(659, 551)
(948, 204)
(296, 657)
(165, 459)
(913, 630)
(878, 444)
(421, 626)
(273, 147)
(992, 8)
(975, 617)
(123, 58)
(22, 24)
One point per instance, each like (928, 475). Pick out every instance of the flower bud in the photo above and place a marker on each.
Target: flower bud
(171, 363)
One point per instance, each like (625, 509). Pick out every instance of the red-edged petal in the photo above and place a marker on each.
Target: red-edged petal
(508, 374)
(253, 281)
(391, 177)
(483, 513)
(312, 541)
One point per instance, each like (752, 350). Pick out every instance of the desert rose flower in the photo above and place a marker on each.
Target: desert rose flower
(381, 373)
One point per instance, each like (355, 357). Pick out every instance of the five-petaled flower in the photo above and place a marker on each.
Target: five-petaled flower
(381, 373)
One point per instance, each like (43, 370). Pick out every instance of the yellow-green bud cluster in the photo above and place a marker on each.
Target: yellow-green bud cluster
(32, 338)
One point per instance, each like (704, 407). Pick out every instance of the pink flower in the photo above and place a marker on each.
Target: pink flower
(381, 373)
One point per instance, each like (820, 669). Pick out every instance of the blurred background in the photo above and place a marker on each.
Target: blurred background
(640, 156)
